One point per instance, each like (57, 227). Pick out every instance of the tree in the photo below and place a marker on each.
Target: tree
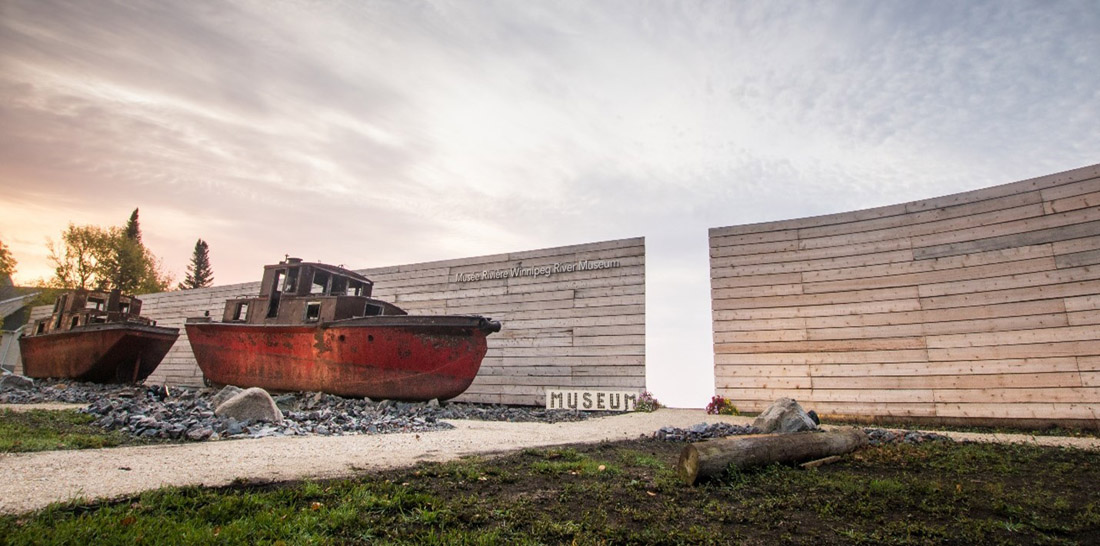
(199, 273)
(78, 258)
(133, 230)
(7, 264)
(133, 268)
(106, 258)
(155, 278)
(128, 264)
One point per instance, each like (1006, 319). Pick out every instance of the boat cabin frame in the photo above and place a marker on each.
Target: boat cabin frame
(79, 308)
(297, 292)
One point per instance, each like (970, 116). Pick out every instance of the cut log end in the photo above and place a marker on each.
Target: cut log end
(688, 467)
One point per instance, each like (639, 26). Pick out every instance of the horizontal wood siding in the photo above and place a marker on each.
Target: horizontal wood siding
(39, 312)
(578, 329)
(979, 306)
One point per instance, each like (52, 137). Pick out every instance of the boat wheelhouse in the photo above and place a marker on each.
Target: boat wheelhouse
(297, 292)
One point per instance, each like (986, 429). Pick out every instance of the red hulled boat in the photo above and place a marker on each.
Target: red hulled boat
(95, 336)
(314, 327)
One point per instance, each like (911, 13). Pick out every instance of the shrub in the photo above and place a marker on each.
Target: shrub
(719, 405)
(647, 402)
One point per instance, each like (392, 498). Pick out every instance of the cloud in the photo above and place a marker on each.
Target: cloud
(485, 116)
(376, 133)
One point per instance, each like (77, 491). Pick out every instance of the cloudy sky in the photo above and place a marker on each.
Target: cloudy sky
(374, 133)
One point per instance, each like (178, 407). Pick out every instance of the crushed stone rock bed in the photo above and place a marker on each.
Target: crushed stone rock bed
(704, 431)
(881, 436)
(182, 413)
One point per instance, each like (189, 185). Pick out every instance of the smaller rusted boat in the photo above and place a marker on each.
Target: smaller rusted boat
(315, 327)
(95, 336)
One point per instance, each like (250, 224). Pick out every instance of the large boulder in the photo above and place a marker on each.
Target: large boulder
(783, 416)
(16, 382)
(227, 392)
(253, 404)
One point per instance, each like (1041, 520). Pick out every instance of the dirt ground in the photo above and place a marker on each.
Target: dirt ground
(33, 480)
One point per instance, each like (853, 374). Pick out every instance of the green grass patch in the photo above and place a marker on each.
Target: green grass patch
(573, 463)
(46, 430)
(903, 425)
(931, 493)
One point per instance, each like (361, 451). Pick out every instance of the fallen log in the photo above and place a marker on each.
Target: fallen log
(821, 462)
(713, 457)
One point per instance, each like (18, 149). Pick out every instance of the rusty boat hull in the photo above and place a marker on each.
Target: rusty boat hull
(414, 358)
(98, 353)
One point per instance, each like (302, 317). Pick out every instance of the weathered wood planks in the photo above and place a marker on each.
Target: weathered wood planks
(583, 328)
(975, 306)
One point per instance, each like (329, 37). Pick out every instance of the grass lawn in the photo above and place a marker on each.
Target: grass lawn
(1047, 431)
(624, 493)
(45, 430)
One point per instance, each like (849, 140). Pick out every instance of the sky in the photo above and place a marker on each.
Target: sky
(372, 133)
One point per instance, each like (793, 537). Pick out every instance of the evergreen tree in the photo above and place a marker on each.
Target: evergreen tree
(128, 264)
(132, 268)
(199, 273)
(133, 230)
(7, 264)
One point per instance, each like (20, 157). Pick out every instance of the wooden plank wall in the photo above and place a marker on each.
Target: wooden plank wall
(36, 313)
(975, 307)
(578, 329)
(9, 352)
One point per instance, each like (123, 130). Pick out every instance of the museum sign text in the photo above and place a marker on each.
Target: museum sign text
(590, 400)
(536, 270)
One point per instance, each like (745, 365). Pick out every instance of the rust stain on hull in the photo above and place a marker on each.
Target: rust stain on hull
(401, 358)
(109, 353)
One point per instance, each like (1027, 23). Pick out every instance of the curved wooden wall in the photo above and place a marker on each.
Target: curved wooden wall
(975, 307)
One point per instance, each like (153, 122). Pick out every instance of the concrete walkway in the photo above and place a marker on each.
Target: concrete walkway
(52, 406)
(33, 480)
(1092, 444)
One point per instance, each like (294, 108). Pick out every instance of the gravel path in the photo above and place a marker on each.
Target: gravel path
(51, 406)
(33, 480)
